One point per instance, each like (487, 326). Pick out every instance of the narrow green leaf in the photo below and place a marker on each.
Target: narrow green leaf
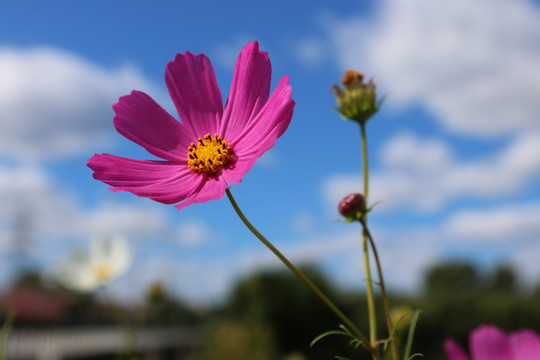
(415, 355)
(4, 334)
(411, 334)
(331, 332)
(344, 328)
(393, 334)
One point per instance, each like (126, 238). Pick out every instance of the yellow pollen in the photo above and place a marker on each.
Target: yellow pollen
(102, 272)
(209, 154)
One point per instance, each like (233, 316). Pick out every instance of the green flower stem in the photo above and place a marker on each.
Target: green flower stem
(6, 332)
(130, 332)
(348, 323)
(389, 324)
(369, 284)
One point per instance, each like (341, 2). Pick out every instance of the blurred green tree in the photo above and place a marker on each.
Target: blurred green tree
(458, 278)
(289, 309)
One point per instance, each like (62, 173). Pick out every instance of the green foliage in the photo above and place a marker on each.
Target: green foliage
(239, 340)
(164, 308)
(453, 277)
(272, 315)
(294, 315)
(410, 336)
(456, 299)
(354, 341)
(504, 279)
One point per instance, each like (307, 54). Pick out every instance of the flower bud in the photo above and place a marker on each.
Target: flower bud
(352, 206)
(401, 317)
(358, 100)
(155, 294)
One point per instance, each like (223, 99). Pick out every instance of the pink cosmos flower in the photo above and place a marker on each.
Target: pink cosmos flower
(487, 342)
(212, 147)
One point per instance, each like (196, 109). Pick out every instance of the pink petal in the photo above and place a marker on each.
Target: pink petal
(263, 131)
(487, 342)
(162, 181)
(249, 90)
(454, 351)
(525, 345)
(233, 174)
(213, 188)
(193, 88)
(270, 123)
(140, 119)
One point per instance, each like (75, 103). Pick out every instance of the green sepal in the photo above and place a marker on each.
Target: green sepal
(372, 206)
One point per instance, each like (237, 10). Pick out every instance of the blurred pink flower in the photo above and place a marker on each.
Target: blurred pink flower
(487, 342)
(212, 147)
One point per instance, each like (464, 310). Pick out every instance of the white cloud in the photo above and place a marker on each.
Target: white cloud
(340, 253)
(33, 207)
(474, 64)
(303, 223)
(525, 259)
(131, 221)
(192, 233)
(204, 280)
(512, 233)
(199, 280)
(30, 200)
(424, 175)
(310, 51)
(504, 234)
(406, 151)
(54, 103)
(511, 223)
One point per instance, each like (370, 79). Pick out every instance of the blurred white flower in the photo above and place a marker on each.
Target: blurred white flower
(107, 260)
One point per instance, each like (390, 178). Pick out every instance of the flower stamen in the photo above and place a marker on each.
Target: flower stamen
(209, 154)
(102, 272)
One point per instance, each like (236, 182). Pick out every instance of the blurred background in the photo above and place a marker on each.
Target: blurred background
(454, 159)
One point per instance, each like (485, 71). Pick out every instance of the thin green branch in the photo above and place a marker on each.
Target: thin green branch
(386, 303)
(365, 249)
(348, 323)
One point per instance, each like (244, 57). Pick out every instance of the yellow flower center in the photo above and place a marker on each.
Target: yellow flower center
(102, 272)
(208, 155)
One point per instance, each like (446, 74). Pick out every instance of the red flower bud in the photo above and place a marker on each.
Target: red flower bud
(352, 206)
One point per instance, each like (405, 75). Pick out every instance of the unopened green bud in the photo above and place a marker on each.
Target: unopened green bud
(358, 100)
(401, 317)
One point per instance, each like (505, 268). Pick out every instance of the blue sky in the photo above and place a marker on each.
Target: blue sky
(454, 153)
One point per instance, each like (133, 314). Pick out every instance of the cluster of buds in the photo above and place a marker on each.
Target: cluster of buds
(358, 100)
(352, 206)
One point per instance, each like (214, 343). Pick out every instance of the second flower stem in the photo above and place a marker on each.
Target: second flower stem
(348, 323)
(384, 295)
(365, 247)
